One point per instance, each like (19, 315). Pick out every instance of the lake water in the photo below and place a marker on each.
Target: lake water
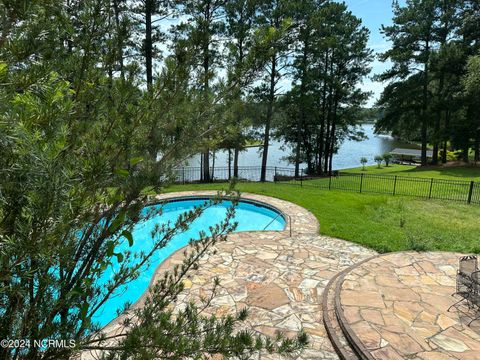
(348, 155)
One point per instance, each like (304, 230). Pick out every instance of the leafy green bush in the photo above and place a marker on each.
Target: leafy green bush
(364, 162)
(387, 158)
(379, 159)
(416, 242)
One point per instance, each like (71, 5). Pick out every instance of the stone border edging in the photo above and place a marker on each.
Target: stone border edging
(337, 345)
(352, 338)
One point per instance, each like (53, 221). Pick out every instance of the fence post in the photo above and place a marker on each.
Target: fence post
(361, 183)
(330, 182)
(301, 177)
(275, 175)
(395, 185)
(183, 175)
(470, 192)
(431, 186)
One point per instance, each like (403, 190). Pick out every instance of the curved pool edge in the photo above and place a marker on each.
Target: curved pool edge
(302, 220)
(297, 218)
(258, 203)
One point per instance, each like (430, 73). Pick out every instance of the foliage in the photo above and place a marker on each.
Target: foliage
(472, 77)
(363, 161)
(274, 22)
(81, 138)
(387, 157)
(378, 159)
(426, 99)
(416, 242)
(324, 105)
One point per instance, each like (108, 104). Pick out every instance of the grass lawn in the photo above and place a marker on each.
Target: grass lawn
(466, 173)
(382, 222)
(450, 183)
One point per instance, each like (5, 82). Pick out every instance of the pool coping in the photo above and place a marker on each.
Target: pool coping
(285, 217)
(313, 228)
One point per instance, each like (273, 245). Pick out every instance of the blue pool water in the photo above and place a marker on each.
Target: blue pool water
(249, 216)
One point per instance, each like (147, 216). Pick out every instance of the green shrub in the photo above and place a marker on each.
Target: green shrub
(416, 242)
(387, 158)
(379, 159)
(363, 161)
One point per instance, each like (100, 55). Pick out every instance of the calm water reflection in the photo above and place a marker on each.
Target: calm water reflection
(348, 155)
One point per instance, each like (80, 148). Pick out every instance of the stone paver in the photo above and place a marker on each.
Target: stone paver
(396, 306)
(280, 278)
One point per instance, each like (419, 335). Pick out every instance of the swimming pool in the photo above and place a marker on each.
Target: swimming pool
(250, 216)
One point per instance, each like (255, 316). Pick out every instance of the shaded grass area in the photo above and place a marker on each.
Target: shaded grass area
(464, 173)
(381, 222)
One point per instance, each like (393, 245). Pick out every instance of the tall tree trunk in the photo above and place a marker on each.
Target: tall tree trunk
(323, 118)
(206, 165)
(443, 40)
(271, 100)
(327, 141)
(438, 120)
(120, 35)
(477, 146)
(333, 137)
(329, 120)
(213, 164)
(466, 150)
(466, 145)
(301, 117)
(445, 136)
(149, 7)
(229, 164)
(241, 57)
(297, 154)
(206, 85)
(424, 131)
(436, 140)
(321, 138)
(235, 161)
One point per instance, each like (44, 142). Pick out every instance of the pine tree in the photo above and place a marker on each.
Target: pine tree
(240, 29)
(204, 29)
(413, 38)
(148, 16)
(275, 20)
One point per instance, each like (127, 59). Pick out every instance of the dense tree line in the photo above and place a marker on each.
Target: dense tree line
(432, 95)
(329, 61)
(317, 44)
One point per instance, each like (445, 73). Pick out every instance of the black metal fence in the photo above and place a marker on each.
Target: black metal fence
(428, 188)
(186, 175)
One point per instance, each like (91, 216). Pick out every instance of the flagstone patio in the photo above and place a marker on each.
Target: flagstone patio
(395, 307)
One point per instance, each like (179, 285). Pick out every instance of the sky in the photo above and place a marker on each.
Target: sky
(374, 13)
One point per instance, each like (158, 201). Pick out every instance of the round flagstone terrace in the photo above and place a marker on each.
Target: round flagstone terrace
(395, 307)
(392, 306)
